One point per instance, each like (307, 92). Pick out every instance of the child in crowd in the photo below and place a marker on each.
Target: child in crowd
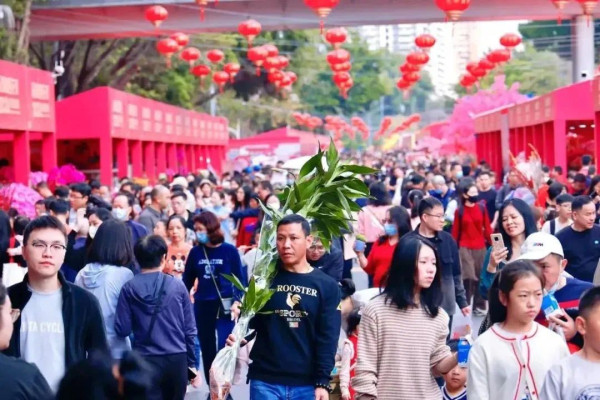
(578, 376)
(349, 355)
(563, 220)
(455, 387)
(511, 359)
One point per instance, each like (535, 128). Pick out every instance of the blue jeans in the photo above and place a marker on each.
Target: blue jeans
(260, 390)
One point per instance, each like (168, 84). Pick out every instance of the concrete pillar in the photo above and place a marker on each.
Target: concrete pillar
(122, 158)
(137, 167)
(150, 162)
(49, 152)
(22, 157)
(583, 48)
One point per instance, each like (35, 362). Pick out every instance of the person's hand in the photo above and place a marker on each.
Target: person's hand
(321, 394)
(15, 251)
(197, 381)
(346, 395)
(234, 233)
(192, 293)
(466, 311)
(566, 323)
(497, 256)
(231, 341)
(235, 310)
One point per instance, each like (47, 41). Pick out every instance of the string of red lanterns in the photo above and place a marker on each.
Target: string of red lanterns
(425, 41)
(336, 37)
(510, 41)
(202, 4)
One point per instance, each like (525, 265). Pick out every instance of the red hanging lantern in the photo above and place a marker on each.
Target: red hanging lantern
(220, 78)
(181, 38)
(412, 77)
(478, 72)
(250, 29)
(272, 50)
(156, 15)
(345, 67)
(232, 69)
(425, 41)
(203, 4)
(257, 56)
(560, 6)
(338, 56)
(283, 61)
(406, 67)
(471, 66)
(467, 81)
(340, 77)
(453, 8)
(215, 56)
(336, 37)
(322, 8)
(588, 6)
(292, 76)
(191, 55)
(167, 47)
(345, 87)
(271, 64)
(275, 76)
(499, 56)
(403, 84)
(510, 41)
(285, 82)
(486, 64)
(417, 58)
(201, 71)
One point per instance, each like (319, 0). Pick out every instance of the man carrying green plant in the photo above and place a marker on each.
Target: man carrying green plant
(297, 332)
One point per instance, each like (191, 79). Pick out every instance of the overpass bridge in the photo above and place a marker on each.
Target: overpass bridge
(79, 19)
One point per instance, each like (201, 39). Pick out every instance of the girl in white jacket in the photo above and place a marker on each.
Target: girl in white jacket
(510, 360)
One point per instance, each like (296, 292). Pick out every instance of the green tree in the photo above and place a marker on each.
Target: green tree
(14, 44)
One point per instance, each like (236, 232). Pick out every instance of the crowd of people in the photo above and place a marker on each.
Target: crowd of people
(125, 297)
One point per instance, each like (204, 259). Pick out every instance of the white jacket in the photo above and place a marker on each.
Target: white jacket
(502, 365)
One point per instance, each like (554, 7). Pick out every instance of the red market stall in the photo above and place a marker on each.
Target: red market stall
(104, 128)
(27, 120)
(560, 128)
(280, 144)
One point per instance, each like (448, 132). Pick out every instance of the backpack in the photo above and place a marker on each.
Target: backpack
(461, 211)
(553, 227)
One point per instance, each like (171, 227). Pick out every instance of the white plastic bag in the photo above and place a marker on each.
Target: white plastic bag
(12, 273)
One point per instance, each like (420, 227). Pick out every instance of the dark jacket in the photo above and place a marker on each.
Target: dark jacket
(21, 380)
(332, 263)
(82, 319)
(452, 285)
(175, 326)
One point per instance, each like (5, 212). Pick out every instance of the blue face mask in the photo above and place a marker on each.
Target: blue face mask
(202, 237)
(390, 229)
(459, 174)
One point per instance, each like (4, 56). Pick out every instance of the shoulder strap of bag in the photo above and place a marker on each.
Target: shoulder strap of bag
(374, 217)
(552, 226)
(157, 306)
(461, 211)
(212, 275)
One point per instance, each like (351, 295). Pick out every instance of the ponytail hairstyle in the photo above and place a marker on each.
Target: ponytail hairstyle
(414, 198)
(505, 281)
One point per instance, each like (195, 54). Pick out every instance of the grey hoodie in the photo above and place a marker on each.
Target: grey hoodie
(105, 283)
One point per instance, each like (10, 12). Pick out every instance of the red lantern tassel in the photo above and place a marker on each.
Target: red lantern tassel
(322, 24)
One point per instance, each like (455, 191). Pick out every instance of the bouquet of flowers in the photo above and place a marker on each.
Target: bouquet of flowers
(20, 197)
(323, 193)
(64, 175)
(37, 177)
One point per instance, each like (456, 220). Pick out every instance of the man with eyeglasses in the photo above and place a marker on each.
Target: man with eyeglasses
(78, 198)
(59, 323)
(431, 212)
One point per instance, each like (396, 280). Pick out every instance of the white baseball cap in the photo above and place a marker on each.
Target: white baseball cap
(539, 245)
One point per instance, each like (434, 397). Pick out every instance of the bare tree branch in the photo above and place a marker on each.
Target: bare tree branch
(95, 69)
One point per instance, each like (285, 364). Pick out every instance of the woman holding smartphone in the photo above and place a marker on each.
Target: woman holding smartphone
(516, 224)
(377, 264)
(511, 359)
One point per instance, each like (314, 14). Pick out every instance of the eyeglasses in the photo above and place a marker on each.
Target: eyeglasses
(74, 197)
(54, 247)
(15, 313)
(439, 216)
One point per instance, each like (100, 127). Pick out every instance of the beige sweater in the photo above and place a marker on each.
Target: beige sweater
(397, 350)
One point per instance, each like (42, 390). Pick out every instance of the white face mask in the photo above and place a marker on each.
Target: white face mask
(120, 214)
(92, 231)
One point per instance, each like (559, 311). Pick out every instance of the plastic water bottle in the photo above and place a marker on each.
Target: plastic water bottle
(464, 347)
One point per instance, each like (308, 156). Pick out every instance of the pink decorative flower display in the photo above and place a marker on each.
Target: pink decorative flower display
(37, 177)
(64, 175)
(20, 197)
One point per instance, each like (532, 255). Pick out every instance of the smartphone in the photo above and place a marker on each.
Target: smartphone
(191, 374)
(497, 241)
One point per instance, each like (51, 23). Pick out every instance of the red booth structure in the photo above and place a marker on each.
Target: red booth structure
(103, 127)
(27, 120)
(282, 144)
(559, 125)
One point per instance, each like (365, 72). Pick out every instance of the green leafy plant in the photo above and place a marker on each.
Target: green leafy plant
(324, 194)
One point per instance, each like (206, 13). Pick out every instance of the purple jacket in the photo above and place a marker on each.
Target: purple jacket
(175, 327)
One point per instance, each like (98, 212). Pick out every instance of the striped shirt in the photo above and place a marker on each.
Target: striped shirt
(397, 350)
